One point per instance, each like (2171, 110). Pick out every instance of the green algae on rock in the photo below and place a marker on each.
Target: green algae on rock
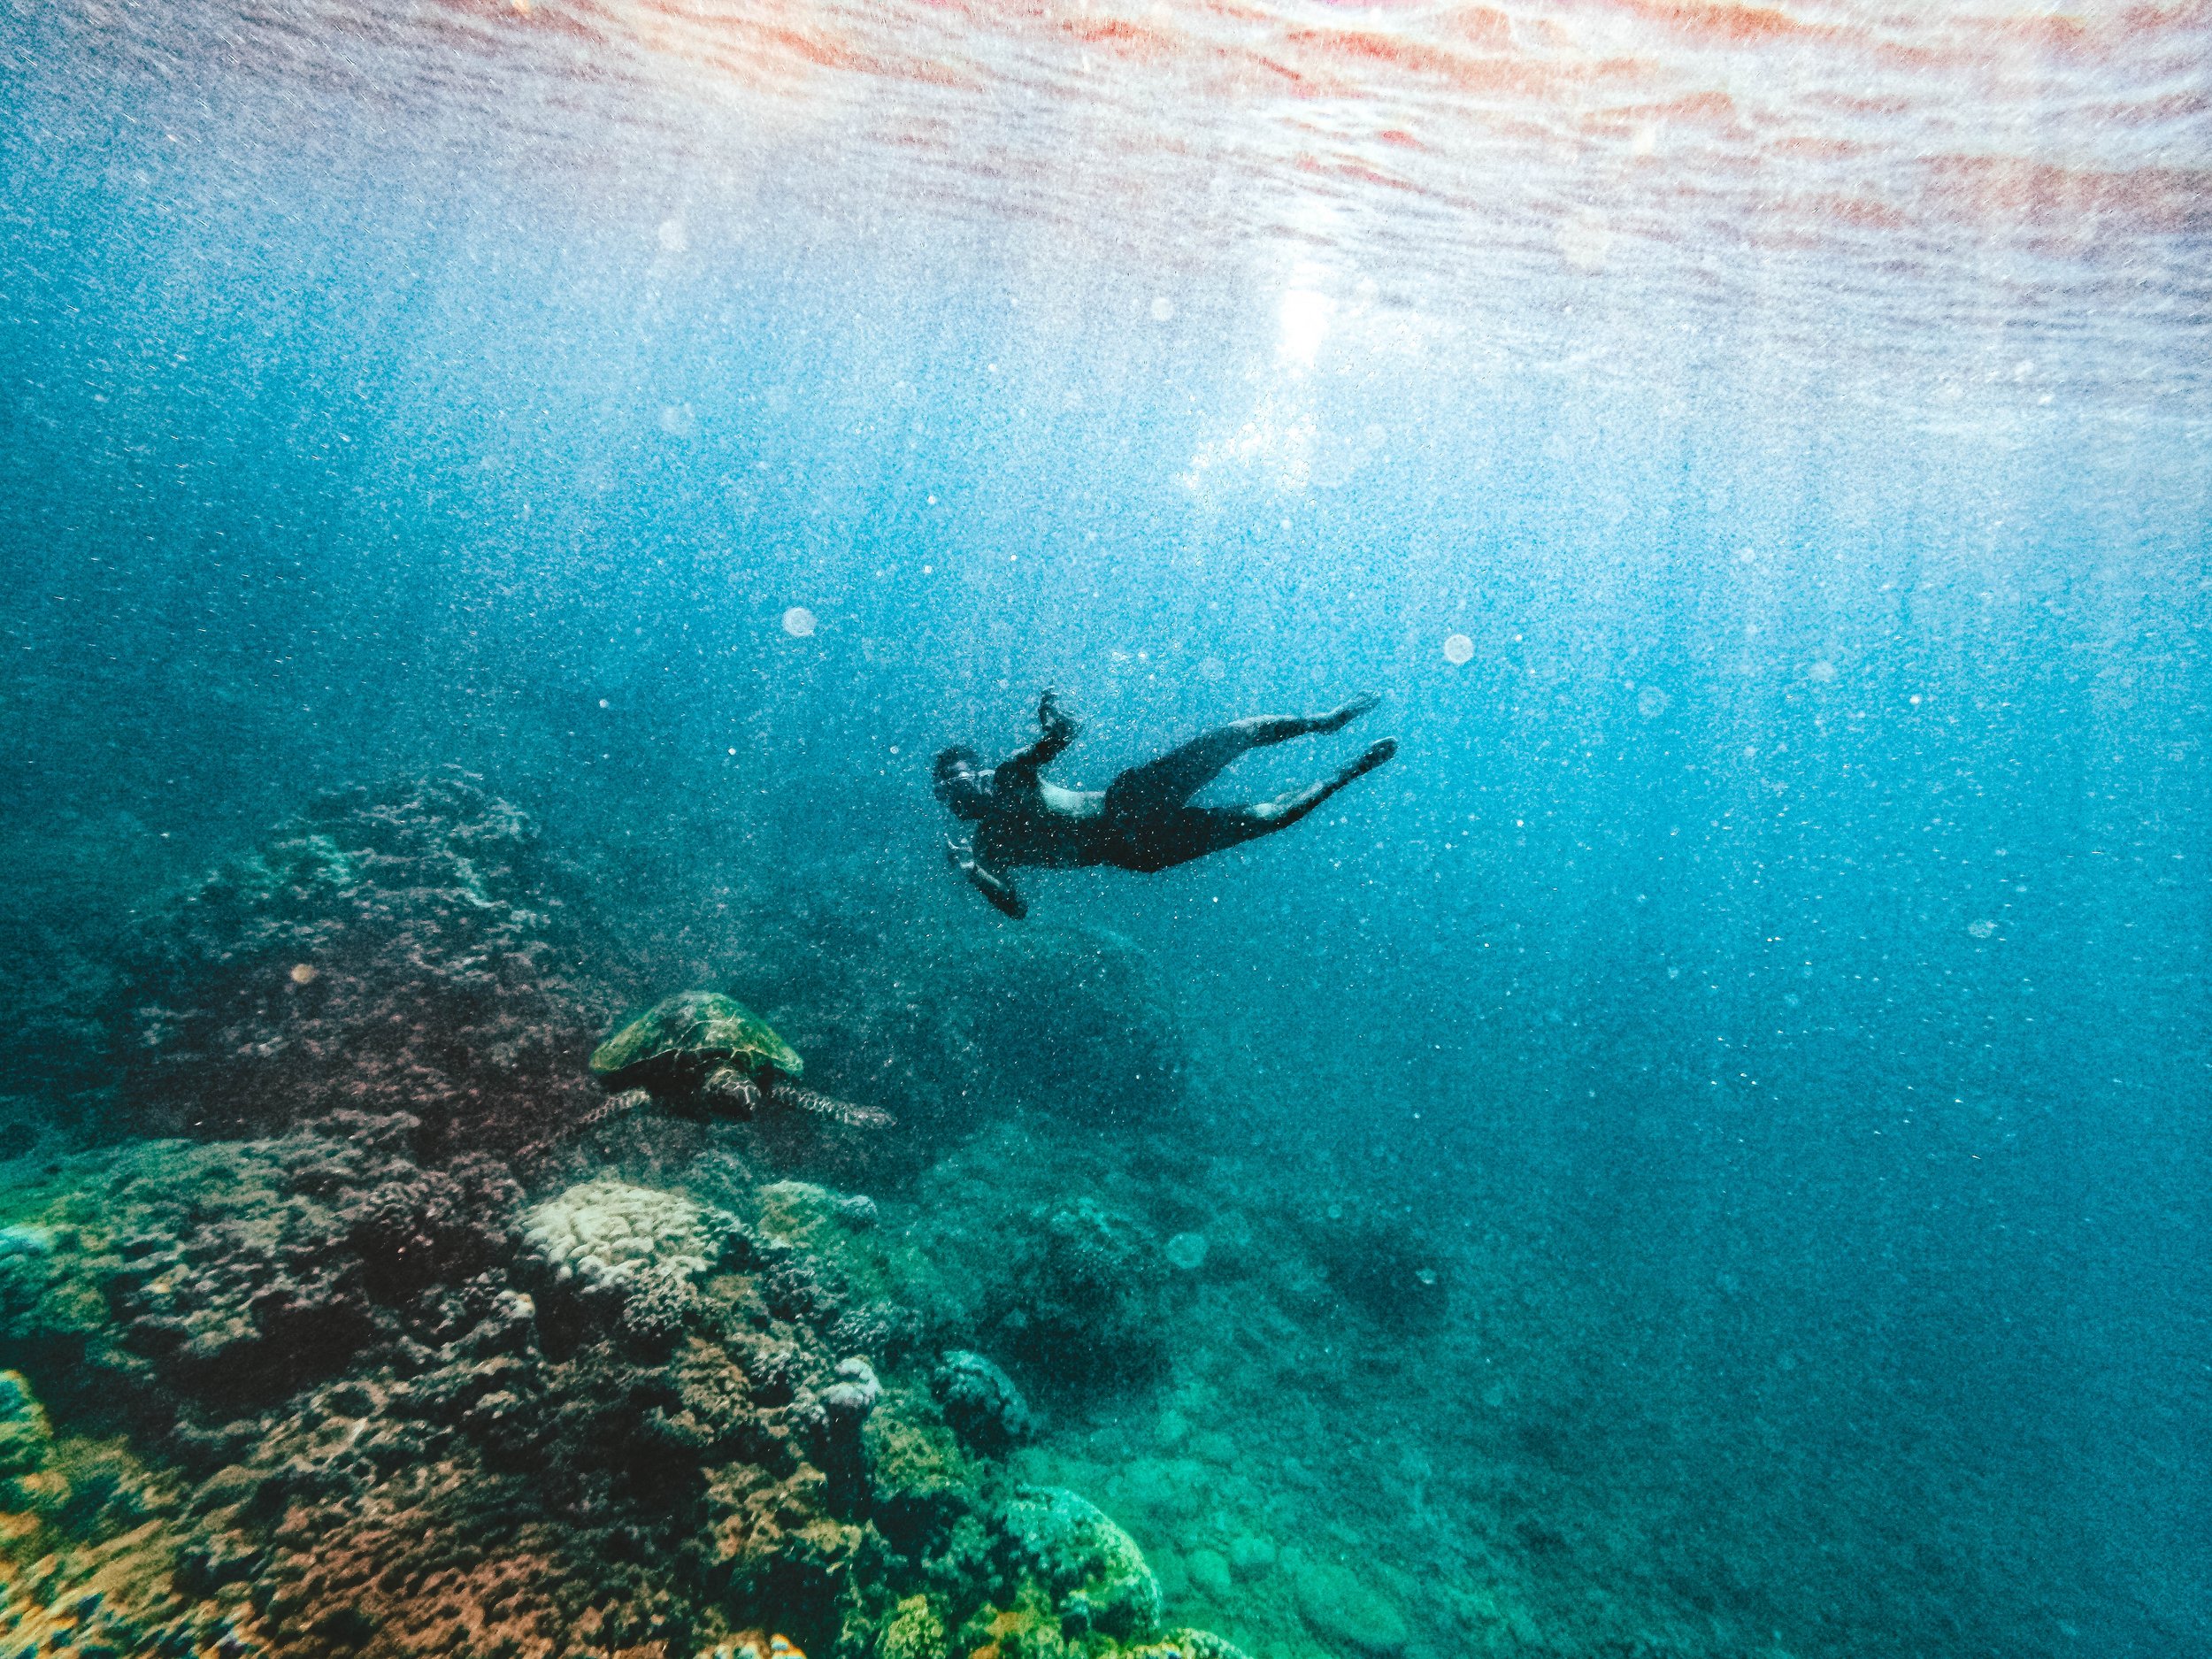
(1088, 1565)
(915, 1631)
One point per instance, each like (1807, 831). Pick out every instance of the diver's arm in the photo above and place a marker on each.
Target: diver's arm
(1019, 770)
(989, 883)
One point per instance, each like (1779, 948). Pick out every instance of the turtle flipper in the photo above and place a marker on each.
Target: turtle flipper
(849, 1113)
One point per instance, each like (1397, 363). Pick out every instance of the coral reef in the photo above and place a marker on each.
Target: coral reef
(611, 1233)
(1081, 1306)
(399, 949)
(344, 1389)
(1093, 1570)
(389, 1408)
(982, 1403)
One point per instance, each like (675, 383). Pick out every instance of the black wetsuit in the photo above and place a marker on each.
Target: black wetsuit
(1143, 820)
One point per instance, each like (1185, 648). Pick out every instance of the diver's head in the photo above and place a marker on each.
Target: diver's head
(962, 784)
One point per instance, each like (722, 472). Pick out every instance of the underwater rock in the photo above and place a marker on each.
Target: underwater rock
(393, 949)
(434, 1473)
(1342, 1607)
(981, 1401)
(839, 1446)
(857, 1211)
(1093, 1570)
(855, 1393)
(926, 1489)
(1209, 1571)
(1185, 1252)
(369, 1416)
(1081, 1306)
(1251, 1556)
(240, 1274)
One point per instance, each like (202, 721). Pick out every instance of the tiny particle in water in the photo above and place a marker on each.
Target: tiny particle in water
(1821, 672)
(602, 703)
(1426, 1275)
(304, 972)
(1651, 702)
(798, 622)
(1458, 648)
(1163, 309)
(673, 237)
(1981, 929)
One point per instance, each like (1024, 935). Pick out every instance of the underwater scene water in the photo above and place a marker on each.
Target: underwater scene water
(1703, 1153)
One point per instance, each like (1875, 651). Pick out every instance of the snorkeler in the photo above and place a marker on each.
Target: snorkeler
(1143, 820)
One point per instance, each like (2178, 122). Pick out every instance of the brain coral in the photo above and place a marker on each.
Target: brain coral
(609, 1233)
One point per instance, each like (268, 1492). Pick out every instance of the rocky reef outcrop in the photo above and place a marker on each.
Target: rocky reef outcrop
(324, 1397)
(1081, 1306)
(406, 947)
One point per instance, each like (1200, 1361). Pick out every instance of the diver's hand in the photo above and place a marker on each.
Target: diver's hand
(1055, 720)
(990, 886)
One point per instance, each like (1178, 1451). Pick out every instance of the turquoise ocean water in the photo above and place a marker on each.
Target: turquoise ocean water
(1705, 1153)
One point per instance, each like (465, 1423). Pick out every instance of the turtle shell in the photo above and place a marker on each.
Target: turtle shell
(681, 1037)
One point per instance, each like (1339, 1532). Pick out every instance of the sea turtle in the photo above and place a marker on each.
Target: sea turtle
(705, 1047)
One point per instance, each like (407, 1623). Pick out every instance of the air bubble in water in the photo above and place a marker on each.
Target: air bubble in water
(798, 622)
(1458, 648)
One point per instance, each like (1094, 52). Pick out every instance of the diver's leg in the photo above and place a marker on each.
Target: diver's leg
(1183, 834)
(1182, 772)
(1266, 816)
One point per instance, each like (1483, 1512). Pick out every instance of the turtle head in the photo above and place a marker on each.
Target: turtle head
(961, 784)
